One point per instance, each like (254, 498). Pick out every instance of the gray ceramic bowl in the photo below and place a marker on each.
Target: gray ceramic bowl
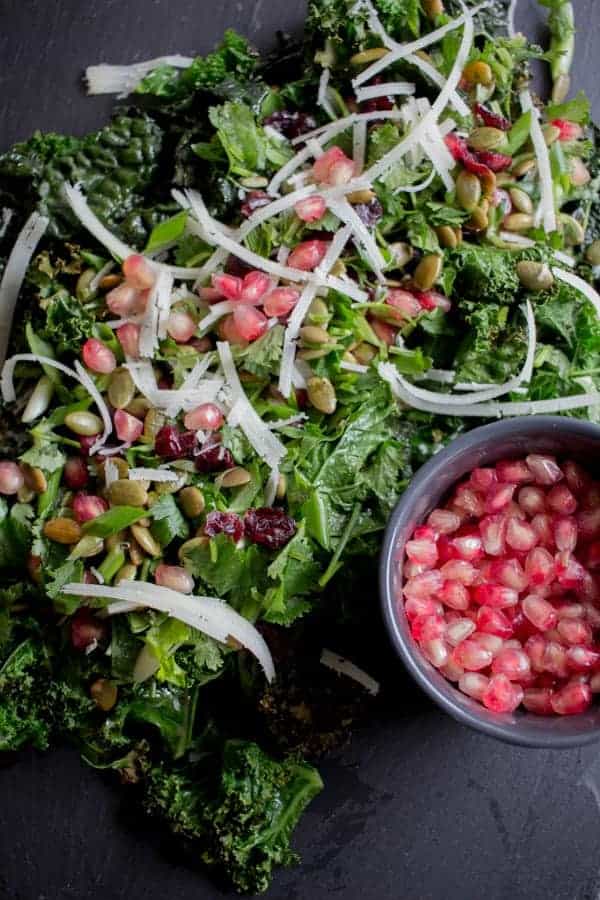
(483, 446)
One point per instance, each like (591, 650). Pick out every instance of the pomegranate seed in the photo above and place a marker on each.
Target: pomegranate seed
(520, 535)
(493, 621)
(498, 497)
(250, 322)
(513, 663)
(592, 555)
(574, 631)
(341, 172)
(323, 164)
(254, 287)
(535, 648)
(509, 573)
(473, 685)
(539, 612)
(129, 339)
(307, 255)
(451, 671)
(469, 500)
(405, 305)
(210, 294)
(125, 300)
(98, 357)
(544, 469)
(228, 286)
(410, 568)
(139, 272)
(569, 131)
(588, 523)
(512, 510)
(181, 326)
(459, 631)
(591, 498)
(433, 300)
(87, 631)
(538, 700)
(490, 642)
(572, 699)
(254, 200)
(75, 473)
(483, 479)
(128, 428)
(495, 595)
(424, 533)
(206, 417)
(542, 525)
(576, 476)
(569, 571)
(566, 610)
(471, 656)
(560, 500)
(422, 551)
(11, 478)
(493, 534)
(582, 658)
(555, 659)
(595, 683)
(311, 209)
(565, 533)
(501, 695)
(539, 567)
(532, 500)
(468, 546)
(427, 628)
(459, 570)
(228, 331)
(386, 333)
(436, 652)
(422, 606)
(455, 595)
(592, 614)
(88, 506)
(422, 586)
(513, 471)
(175, 577)
(280, 302)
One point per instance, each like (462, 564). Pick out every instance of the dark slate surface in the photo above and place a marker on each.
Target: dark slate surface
(417, 808)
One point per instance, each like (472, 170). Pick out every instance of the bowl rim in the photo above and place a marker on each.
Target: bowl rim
(405, 648)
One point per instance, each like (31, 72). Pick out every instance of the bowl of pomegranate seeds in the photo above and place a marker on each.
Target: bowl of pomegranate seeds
(490, 580)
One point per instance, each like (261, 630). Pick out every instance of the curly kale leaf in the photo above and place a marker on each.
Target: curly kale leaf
(243, 827)
(494, 345)
(484, 274)
(15, 535)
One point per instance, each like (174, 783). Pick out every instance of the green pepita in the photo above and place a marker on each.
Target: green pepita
(121, 389)
(86, 547)
(592, 254)
(468, 190)
(573, 231)
(314, 334)
(486, 138)
(83, 423)
(428, 271)
(123, 492)
(535, 276)
(235, 477)
(145, 539)
(478, 72)
(365, 57)
(82, 288)
(321, 394)
(153, 422)
(521, 200)
(193, 544)
(551, 134)
(192, 502)
(127, 572)
(447, 236)
(518, 222)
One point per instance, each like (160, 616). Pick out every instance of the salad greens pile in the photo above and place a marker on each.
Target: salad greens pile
(375, 241)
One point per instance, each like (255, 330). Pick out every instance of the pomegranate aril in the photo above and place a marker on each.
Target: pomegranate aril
(545, 469)
(98, 357)
(323, 164)
(459, 570)
(532, 500)
(175, 577)
(595, 683)
(228, 286)
(422, 606)
(250, 322)
(469, 500)
(561, 501)
(588, 523)
(592, 555)
(569, 571)
(468, 546)
(514, 663)
(307, 255)
(566, 610)
(538, 700)
(87, 631)
(426, 628)
(495, 595)
(542, 525)
(473, 684)
(576, 476)
(490, 642)
(422, 551)
(280, 302)
(482, 479)
(501, 695)
(75, 473)
(555, 659)
(87, 507)
(581, 658)
(572, 699)
(565, 533)
(443, 521)
(539, 612)
(11, 478)
(206, 417)
(384, 331)
(424, 533)
(458, 631)
(508, 572)
(493, 621)
(436, 652)
(574, 631)
(498, 497)
(410, 569)
(451, 671)
(129, 339)
(471, 656)
(254, 287)
(515, 471)
(125, 300)
(181, 326)
(493, 534)
(539, 567)
(520, 535)
(127, 427)
(424, 585)
(311, 209)
(139, 272)
(535, 648)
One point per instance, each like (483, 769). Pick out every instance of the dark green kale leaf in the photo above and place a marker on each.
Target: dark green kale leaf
(15, 535)
(243, 827)
(494, 345)
(484, 274)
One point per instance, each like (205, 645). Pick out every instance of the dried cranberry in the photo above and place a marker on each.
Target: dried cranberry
(291, 124)
(235, 266)
(170, 443)
(228, 523)
(87, 631)
(461, 153)
(254, 200)
(214, 458)
(86, 442)
(269, 526)
(369, 213)
(494, 120)
(497, 162)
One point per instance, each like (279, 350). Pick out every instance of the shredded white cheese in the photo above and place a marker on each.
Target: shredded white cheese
(122, 80)
(545, 213)
(580, 285)
(323, 94)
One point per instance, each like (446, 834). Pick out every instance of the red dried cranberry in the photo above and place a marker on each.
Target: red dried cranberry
(494, 120)
(254, 200)
(86, 442)
(291, 124)
(87, 631)
(213, 458)
(170, 443)
(269, 526)
(497, 162)
(369, 213)
(461, 153)
(228, 523)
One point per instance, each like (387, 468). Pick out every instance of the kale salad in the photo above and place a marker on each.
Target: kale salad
(234, 322)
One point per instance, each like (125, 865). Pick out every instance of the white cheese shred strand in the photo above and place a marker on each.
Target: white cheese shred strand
(122, 80)
(210, 615)
(323, 94)
(386, 89)
(580, 285)
(546, 213)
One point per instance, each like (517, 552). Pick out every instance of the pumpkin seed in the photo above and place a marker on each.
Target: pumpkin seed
(83, 423)
(368, 56)
(127, 572)
(535, 276)
(364, 196)
(560, 88)
(428, 271)
(486, 138)
(104, 693)
(479, 219)
(592, 254)
(35, 479)
(82, 288)
(192, 544)
(488, 183)
(321, 394)
(521, 200)
(39, 401)
(235, 477)
(503, 178)
(318, 312)
(62, 530)
(447, 236)
(145, 539)
(402, 253)
(314, 334)
(281, 487)
(524, 166)
(153, 422)
(121, 389)
(114, 541)
(138, 407)
(468, 190)
(364, 353)
(312, 354)
(338, 268)
(86, 547)
(25, 494)
(192, 502)
(135, 553)
(573, 231)
(551, 134)
(518, 222)
(110, 281)
(478, 72)
(254, 181)
(123, 492)
(433, 8)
